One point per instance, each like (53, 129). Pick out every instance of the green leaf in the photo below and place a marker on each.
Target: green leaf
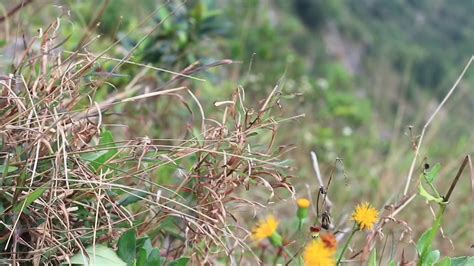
(432, 258)
(444, 262)
(127, 246)
(392, 263)
(462, 261)
(29, 199)
(164, 14)
(103, 256)
(132, 198)
(92, 156)
(145, 243)
(142, 258)
(107, 150)
(164, 173)
(183, 261)
(423, 242)
(373, 258)
(428, 196)
(433, 173)
(154, 259)
(8, 169)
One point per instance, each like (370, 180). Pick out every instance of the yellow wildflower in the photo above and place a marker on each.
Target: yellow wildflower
(317, 253)
(265, 228)
(365, 216)
(303, 203)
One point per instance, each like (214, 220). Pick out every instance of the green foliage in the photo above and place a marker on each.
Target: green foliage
(140, 252)
(99, 255)
(176, 43)
(108, 150)
(127, 245)
(154, 258)
(133, 198)
(180, 262)
(22, 205)
(462, 261)
(5, 170)
(432, 257)
(373, 258)
(444, 262)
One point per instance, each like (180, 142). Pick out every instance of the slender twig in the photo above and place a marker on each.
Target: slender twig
(93, 23)
(15, 9)
(453, 88)
(456, 179)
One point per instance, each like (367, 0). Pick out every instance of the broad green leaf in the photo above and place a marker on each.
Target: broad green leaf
(373, 258)
(100, 256)
(432, 258)
(462, 261)
(428, 196)
(423, 242)
(392, 263)
(183, 261)
(446, 261)
(142, 257)
(145, 243)
(154, 259)
(433, 173)
(127, 246)
(8, 169)
(29, 199)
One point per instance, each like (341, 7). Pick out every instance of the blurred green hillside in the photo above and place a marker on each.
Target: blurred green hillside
(367, 71)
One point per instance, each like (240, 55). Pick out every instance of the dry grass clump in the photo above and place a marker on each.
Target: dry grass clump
(67, 183)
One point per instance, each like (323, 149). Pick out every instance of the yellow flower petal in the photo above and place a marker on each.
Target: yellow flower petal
(317, 253)
(365, 216)
(303, 203)
(265, 228)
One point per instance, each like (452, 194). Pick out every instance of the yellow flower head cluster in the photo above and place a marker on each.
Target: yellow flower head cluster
(303, 203)
(318, 253)
(265, 228)
(365, 216)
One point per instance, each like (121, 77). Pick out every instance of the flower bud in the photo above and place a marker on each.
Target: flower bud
(303, 208)
(276, 239)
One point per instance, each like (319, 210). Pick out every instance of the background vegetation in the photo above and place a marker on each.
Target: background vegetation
(165, 129)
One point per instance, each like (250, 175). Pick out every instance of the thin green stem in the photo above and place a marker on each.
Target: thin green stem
(354, 229)
(433, 232)
(300, 224)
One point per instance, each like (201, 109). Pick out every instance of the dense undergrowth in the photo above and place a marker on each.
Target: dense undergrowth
(132, 140)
